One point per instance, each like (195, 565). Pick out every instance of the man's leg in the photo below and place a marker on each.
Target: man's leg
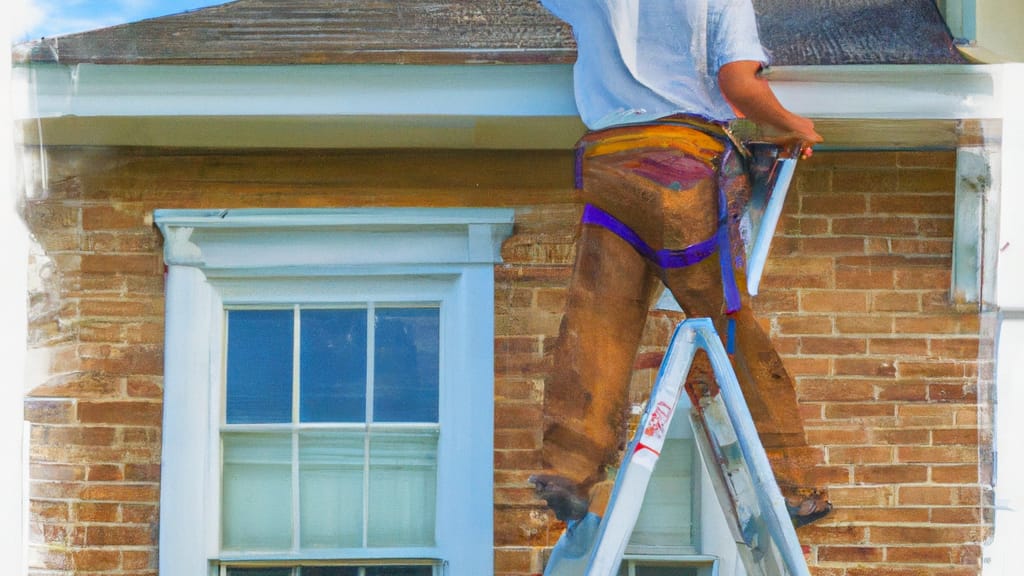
(585, 396)
(767, 388)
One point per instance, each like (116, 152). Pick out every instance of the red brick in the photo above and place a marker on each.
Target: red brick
(955, 348)
(895, 302)
(924, 534)
(803, 325)
(112, 217)
(836, 436)
(942, 159)
(929, 246)
(59, 472)
(145, 387)
(956, 436)
(838, 534)
(891, 474)
(119, 536)
(833, 301)
(105, 472)
(935, 227)
(120, 264)
(513, 560)
(514, 416)
(90, 560)
(922, 554)
(142, 472)
(873, 367)
(835, 389)
(956, 474)
(864, 279)
(121, 493)
(44, 510)
(865, 179)
(959, 515)
(834, 345)
(924, 415)
(898, 346)
(874, 226)
(140, 513)
(812, 246)
(49, 411)
(833, 204)
(886, 515)
(123, 412)
(517, 440)
(138, 560)
(97, 512)
(873, 324)
(898, 436)
(805, 272)
(144, 333)
(517, 460)
(922, 279)
(932, 369)
(902, 390)
(53, 490)
(860, 455)
(908, 204)
(797, 367)
(79, 385)
(49, 558)
(848, 554)
(937, 454)
(883, 495)
(938, 496)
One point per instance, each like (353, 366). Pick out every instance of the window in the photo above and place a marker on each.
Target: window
(328, 392)
(681, 529)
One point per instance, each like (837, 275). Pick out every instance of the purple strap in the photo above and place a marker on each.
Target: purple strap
(667, 259)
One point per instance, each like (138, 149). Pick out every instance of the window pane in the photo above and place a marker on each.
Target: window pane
(259, 571)
(666, 517)
(667, 571)
(331, 488)
(399, 571)
(333, 366)
(406, 365)
(257, 498)
(330, 571)
(403, 486)
(259, 371)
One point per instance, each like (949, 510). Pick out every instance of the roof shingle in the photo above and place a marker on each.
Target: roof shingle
(475, 31)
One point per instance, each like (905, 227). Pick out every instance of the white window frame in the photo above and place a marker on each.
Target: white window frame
(265, 257)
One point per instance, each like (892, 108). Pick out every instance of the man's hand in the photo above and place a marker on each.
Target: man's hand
(753, 98)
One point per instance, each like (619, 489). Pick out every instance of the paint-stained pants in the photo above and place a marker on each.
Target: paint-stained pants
(661, 181)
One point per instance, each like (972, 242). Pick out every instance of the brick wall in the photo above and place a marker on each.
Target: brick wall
(887, 368)
(856, 296)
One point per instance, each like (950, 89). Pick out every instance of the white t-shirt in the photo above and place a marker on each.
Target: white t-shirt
(639, 60)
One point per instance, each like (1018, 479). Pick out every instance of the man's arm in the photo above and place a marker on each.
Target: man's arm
(751, 95)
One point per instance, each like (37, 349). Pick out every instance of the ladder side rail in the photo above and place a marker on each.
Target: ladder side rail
(773, 506)
(642, 455)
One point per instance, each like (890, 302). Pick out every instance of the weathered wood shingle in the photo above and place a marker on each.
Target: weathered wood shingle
(472, 31)
(326, 32)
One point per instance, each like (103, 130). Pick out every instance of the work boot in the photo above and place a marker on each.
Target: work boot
(807, 509)
(561, 495)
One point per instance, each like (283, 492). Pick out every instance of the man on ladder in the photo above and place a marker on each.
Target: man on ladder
(657, 82)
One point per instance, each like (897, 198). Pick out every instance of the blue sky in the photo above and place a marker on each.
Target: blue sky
(38, 18)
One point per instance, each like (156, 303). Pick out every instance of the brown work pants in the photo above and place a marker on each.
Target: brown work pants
(585, 405)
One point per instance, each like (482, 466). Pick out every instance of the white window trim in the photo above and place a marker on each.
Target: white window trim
(217, 258)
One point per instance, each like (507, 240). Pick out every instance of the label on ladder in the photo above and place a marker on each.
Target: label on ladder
(731, 451)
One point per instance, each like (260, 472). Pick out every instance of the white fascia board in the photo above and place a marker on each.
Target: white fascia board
(351, 90)
(53, 90)
(938, 92)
